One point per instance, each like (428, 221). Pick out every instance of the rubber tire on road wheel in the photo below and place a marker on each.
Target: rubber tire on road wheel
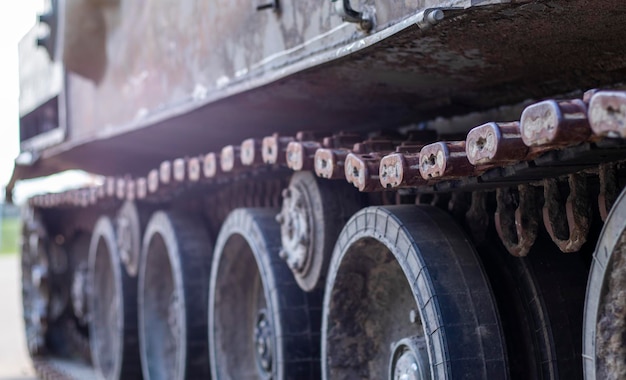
(541, 299)
(393, 264)
(604, 327)
(112, 307)
(173, 276)
(247, 274)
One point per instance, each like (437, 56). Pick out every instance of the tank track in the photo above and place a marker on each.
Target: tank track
(561, 164)
(571, 148)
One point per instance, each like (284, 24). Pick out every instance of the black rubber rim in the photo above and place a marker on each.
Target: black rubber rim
(248, 278)
(173, 273)
(409, 272)
(540, 298)
(112, 307)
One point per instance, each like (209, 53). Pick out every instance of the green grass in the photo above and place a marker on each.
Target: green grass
(10, 235)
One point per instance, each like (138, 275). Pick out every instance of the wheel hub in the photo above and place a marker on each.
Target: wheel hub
(124, 239)
(263, 344)
(295, 230)
(409, 360)
(79, 293)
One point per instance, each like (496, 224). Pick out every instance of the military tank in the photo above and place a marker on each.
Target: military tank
(337, 189)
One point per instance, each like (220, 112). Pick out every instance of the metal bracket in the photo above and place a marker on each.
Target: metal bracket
(273, 5)
(348, 14)
(429, 17)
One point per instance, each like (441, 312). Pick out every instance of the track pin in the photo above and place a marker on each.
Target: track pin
(141, 187)
(210, 165)
(300, 155)
(131, 191)
(251, 152)
(607, 113)
(153, 181)
(230, 158)
(361, 170)
(178, 169)
(165, 172)
(400, 170)
(329, 163)
(274, 149)
(552, 123)
(194, 168)
(442, 160)
(495, 144)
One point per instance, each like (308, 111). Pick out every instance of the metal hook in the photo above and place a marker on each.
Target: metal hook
(348, 14)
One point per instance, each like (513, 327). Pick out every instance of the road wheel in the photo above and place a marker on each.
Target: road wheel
(406, 297)
(604, 328)
(540, 298)
(35, 283)
(173, 276)
(112, 308)
(261, 324)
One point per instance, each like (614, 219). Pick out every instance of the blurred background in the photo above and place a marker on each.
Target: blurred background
(17, 18)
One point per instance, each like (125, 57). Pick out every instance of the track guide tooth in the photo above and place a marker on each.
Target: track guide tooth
(552, 124)
(374, 146)
(342, 140)
(445, 160)
(568, 224)
(607, 113)
(517, 225)
(495, 144)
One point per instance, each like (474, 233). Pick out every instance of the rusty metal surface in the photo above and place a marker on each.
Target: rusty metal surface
(568, 221)
(475, 60)
(517, 218)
